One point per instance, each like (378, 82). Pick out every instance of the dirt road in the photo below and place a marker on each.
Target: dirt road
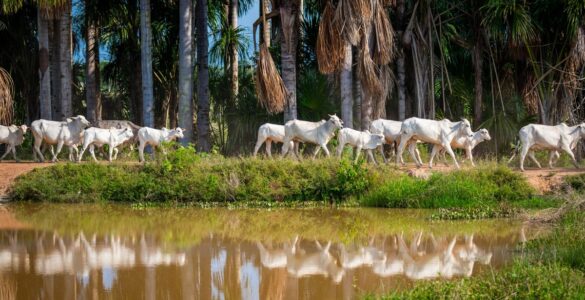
(542, 179)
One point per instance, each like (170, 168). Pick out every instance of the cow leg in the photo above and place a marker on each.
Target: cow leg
(92, 152)
(434, 152)
(447, 146)
(111, 151)
(14, 154)
(567, 148)
(324, 146)
(470, 155)
(404, 138)
(115, 153)
(259, 143)
(525, 149)
(141, 151)
(415, 154)
(285, 146)
(533, 158)
(381, 147)
(340, 148)
(358, 150)
(268, 148)
(59, 147)
(553, 158)
(371, 156)
(83, 149)
(8, 148)
(37, 149)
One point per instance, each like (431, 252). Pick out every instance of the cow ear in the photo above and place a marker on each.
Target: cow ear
(69, 120)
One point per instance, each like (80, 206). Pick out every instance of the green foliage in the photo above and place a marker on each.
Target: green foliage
(484, 186)
(478, 212)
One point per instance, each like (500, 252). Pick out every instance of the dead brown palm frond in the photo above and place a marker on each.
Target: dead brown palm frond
(330, 45)
(367, 70)
(270, 88)
(6, 98)
(350, 16)
(530, 95)
(383, 33)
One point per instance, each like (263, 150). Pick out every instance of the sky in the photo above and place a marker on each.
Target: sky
(245, 21)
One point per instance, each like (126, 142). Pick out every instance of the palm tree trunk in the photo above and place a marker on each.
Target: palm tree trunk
(346, 86)
(265, 26)
(44, 67)
(234, 52)
(400, 61)
(146, 63)
(366, 111)
(477, 66)
(203, 136)
(186, 69)
(288, 48)
(65, 60)
(92, 70)
(55, 69)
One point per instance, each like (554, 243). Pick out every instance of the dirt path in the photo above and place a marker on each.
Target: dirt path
(10, 170)
(542, 179)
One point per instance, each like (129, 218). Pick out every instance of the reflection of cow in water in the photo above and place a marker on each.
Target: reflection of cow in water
(80, 255)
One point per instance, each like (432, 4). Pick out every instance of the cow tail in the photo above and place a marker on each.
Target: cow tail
(516, 149)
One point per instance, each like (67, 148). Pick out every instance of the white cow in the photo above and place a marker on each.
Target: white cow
(112, 137)
(360, 140)
(546, 137)
(391, 131)
(319, 133)
(434, 132)
(463, 142)
(268, 133)
(58, 133)
(154, 137)
(12, 136)
(318, 263)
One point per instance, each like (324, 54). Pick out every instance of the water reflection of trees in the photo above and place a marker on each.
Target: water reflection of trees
(218, 267)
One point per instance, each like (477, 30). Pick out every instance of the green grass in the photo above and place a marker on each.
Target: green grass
(185, 177)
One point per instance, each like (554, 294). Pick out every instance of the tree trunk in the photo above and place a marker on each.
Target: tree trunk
(55, 69)
(477, 67)
(203, 136)
(366, 111)
(186, 69)
(346, 87)
(65, 60)
(234, 52)
(146, 63)
(357, 97)
(400, 61)
(44, 67)
(288, 48)
(92, 89)
(265, 26)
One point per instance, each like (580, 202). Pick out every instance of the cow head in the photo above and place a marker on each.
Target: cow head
(23, 128)
(80, 120)
(126, 134)
(335, 121)
(465, 127)
(376, 140)
(484, 134)
(582, 129)
(179, 132)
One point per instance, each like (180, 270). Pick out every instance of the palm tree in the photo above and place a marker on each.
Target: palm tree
(186, 69)
(233, 51)
(346, 84)
(203, 136)
(92, 75)
(65, 68)
(288, 56)
(146, 62)
(44, 65)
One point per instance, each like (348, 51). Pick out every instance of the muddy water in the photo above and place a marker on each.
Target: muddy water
(123, 252)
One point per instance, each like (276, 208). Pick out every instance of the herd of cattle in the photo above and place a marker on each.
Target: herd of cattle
(444, 135)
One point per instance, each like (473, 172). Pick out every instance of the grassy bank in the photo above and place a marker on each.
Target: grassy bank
(188, 177)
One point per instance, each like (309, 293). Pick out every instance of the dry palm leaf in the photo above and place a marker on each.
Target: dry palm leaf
(269, 85)
(350, 16)
(367, 70)
(387, 86)
(6, 98)
(330, 45)
(383, 33)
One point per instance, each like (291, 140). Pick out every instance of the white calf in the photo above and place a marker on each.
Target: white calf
(112, 137)
(359, 140)
(154, 137)
(269, 133)
(467, 143)
(12, 136)
(318, 133)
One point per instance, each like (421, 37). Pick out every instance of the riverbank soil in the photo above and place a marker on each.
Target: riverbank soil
(10, 170)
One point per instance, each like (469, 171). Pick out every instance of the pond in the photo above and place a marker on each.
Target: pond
(57, 251)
